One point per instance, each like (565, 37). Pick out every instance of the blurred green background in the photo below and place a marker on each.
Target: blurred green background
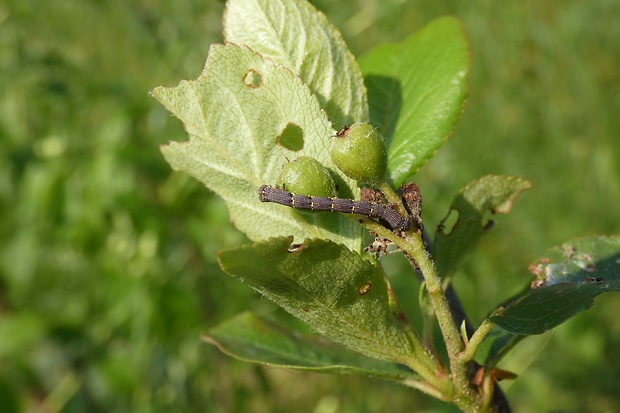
(107, 265)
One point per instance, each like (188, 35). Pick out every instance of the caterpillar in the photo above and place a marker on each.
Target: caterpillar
(383, 212)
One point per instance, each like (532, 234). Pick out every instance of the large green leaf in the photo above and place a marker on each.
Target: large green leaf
(250, 338)
(337, 292)
(234, 113)
(416, 91)
(568, 279)
(296, 35)
(492, 193)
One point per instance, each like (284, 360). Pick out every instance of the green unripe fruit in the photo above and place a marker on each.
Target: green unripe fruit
(307, 176)
(359, 152)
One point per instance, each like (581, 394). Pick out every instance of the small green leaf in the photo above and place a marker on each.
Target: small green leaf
(235, 122)
(338, 293)
(568, 279)
(296, 35)
(416, 91)
(250, 338)
(494, 193)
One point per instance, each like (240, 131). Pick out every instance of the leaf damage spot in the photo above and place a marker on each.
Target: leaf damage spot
(295, 248)
(594, 279)
(379, 247)
(364, 289)
(253, 79)
(450, 222)
(549, 273)
(584, 261)
(538, 282)
(568, 251)
(291, 137)
(568, 279)
(540, 271)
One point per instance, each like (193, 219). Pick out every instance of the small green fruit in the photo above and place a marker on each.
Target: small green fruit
(307, 176)
(359, 152)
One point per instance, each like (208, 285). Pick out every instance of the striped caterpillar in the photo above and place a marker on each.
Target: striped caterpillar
(383, 212)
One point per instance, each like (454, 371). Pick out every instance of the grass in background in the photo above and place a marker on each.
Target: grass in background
(107, 267)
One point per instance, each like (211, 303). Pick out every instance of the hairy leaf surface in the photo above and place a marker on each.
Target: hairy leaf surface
(235, 113)
(337, 292)
(251, 338)
(296, 35)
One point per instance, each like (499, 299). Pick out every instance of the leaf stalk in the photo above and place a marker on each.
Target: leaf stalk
(412, 244)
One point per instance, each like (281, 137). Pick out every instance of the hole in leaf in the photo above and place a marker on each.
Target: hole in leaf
(293, 248)
(253, 79)
(292, 137)
(448, 224)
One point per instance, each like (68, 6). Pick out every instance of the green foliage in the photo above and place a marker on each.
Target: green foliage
(95, 318)
(338, 293)
(569, 278)
(295, 35)
(219, 152)
(491, 193)
(319, 281)
(98, 308)
(416, 91)
(251, 338)
(322, 283)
